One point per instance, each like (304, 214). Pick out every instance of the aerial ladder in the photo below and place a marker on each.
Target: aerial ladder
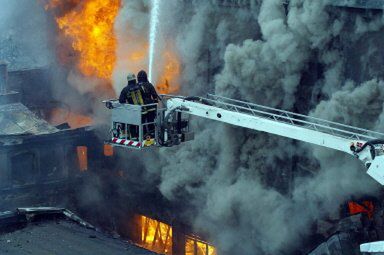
(171, 127)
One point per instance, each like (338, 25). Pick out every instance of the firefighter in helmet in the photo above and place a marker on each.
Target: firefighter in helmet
(131, 94)
(150, 97)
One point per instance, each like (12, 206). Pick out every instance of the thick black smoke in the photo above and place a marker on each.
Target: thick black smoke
(244, 187)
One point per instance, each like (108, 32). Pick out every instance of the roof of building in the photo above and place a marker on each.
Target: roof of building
(17, 119)
(45, 234)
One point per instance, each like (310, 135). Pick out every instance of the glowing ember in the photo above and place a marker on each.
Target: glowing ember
(169, 78)
(108, 150)
(90, 27)
(82, 155)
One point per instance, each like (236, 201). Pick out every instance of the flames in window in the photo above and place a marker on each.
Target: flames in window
(158, 237)
(82, 156)
(194, 246)
(155, 235)
(108, 150)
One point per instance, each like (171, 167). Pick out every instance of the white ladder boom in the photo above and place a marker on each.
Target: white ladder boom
(287, 124)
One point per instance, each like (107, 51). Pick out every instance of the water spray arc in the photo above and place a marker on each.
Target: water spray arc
(153, 35)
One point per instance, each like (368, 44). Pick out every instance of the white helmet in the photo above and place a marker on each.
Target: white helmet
(131, 77)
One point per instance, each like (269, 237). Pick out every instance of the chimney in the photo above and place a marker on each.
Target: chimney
(3, 77)
(6, 96)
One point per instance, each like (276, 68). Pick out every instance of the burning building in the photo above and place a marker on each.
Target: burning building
(38, 160)
(231, 191)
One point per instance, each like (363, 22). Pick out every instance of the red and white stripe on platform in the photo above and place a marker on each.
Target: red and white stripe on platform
(126, 142)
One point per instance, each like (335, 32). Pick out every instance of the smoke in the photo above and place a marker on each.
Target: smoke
(24, 41)
(131, 29)
(354, 105)
(245, 189)
(269, 70)
(204, 33)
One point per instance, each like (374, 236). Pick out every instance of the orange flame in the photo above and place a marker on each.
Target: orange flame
(108, 150)
(75, 120)
(89, 25)
(194, 246)
(139, 55)
(169, 78)
(155, 235)
(82, 156)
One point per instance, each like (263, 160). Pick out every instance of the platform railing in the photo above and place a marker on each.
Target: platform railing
(127, 115)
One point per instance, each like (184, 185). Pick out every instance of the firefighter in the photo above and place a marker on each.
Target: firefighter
(150, 97)
(132, 94)
(129, 92)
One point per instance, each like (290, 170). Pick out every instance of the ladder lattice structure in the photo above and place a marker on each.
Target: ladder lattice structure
(295, 119)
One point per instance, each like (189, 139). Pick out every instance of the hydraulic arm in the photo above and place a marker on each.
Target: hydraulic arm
(171, 127)
(363, 144)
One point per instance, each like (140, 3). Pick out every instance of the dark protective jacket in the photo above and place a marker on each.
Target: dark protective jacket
(132, 94)
(150, 95)
(124, 96)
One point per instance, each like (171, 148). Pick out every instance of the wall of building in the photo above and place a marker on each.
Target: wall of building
(43, 169)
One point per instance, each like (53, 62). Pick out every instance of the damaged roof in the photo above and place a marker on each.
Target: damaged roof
(17, 119)
(48, 231)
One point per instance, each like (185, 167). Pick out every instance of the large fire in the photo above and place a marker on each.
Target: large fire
(90, 26)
